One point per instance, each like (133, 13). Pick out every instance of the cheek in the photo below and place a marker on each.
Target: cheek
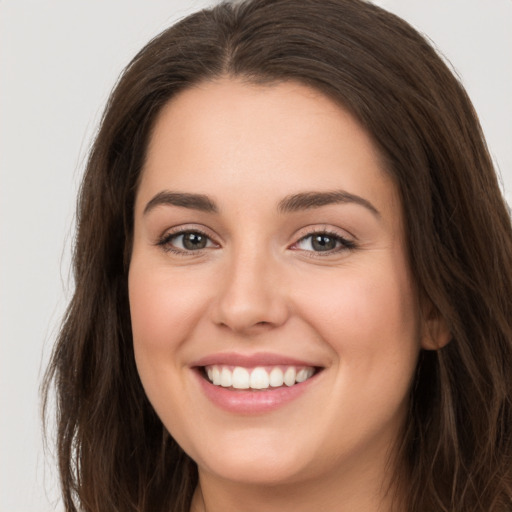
(366, 303)
(369, 317)
(163, 306)
(377, 314)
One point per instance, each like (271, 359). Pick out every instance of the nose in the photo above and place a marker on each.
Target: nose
(251, 297)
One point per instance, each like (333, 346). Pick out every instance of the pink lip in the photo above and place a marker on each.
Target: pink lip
(251, 401)
(250, 360)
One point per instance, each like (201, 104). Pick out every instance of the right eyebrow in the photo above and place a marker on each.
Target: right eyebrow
(184, 199)
(308, 200)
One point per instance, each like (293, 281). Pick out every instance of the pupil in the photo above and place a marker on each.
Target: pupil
(194, 241)
(323, 243)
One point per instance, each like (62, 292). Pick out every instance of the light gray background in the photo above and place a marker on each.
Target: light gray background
(58, 61)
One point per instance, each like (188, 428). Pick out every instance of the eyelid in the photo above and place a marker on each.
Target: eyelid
(313, 229)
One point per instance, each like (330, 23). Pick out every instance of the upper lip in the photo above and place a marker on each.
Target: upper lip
(250, 360)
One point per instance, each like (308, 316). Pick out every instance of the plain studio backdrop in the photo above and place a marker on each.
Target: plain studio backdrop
(58, 61)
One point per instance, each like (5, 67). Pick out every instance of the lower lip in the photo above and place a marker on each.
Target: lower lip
(255, 401)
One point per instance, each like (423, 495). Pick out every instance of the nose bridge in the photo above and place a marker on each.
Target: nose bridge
(250, 295)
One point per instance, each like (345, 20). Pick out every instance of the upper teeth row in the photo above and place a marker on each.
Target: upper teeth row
(239, 377)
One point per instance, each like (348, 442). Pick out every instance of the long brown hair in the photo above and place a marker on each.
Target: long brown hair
(113, 451)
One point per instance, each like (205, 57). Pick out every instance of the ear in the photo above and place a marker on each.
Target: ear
(435, 332)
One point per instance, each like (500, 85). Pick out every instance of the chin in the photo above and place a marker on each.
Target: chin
(270, 471)
(257, 463)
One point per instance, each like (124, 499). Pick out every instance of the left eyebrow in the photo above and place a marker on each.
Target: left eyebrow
(183, 199)
(308, 200)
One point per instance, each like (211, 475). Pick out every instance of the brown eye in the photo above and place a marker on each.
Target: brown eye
(193, 241)
(324, 242)
(183, 242)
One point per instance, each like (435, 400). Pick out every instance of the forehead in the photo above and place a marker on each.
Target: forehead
(252, 142)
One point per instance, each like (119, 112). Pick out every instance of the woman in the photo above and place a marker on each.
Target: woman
(293, 283)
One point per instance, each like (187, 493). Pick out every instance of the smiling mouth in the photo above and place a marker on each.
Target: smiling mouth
(258, 378)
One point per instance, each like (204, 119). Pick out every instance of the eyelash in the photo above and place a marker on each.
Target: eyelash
(345, 244)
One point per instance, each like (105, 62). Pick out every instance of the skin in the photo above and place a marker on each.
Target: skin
(259, 286)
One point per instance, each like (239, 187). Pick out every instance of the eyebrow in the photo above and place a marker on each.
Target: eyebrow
(184, 199)
(308, 200)
(289, 204)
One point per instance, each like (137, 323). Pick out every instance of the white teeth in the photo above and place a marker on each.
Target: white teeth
(257, 378)
(304, 374)
(216, 375)
(225, 378)
(276, 378)
(240, 378)
(289, 376)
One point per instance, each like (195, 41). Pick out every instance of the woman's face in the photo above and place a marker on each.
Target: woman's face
(269, 249)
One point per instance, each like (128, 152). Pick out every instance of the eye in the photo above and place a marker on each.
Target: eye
(324, 242)
(186, 241)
